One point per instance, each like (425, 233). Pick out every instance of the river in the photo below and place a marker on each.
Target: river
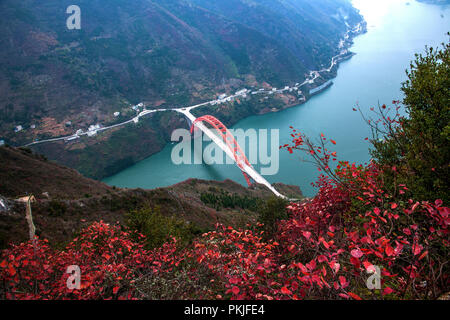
(397, 29)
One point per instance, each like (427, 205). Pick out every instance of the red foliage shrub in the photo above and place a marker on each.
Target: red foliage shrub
(327, 249)
(108, 259)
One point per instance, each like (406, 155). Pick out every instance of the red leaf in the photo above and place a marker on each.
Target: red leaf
(332, 141)
(325, 244)
(357, 253)
(356, 263)
(285, 290)
(335, 266)
(389, 250)
(343, 295)
(354, 296)
(416, 248)
(423, 255)
(115, 289)
(235, 290)
(11, 270)
(234, 280)
(367, 265)
(343, 282)
(387, 291)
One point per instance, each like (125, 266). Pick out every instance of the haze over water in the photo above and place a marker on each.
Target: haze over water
(396, 31)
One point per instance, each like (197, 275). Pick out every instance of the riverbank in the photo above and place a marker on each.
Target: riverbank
(316, 88)
(149, 132)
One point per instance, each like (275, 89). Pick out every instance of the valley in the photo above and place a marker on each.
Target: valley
(192, 51)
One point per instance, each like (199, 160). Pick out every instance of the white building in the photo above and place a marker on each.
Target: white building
(18, 128)
(116, 114)
(92, 130)
(79, 131)
(33, 126)
(2, 142)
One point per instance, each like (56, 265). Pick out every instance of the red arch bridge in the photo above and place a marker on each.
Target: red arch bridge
(226, 141)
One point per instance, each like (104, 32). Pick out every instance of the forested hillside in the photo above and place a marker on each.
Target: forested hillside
(168, 53)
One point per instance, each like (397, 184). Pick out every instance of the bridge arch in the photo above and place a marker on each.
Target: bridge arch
(228, 139)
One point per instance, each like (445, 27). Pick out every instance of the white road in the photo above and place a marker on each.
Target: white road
(313, 75)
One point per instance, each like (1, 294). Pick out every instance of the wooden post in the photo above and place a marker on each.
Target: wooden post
(29, 216)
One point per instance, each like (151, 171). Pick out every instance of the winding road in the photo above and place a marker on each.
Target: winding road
(310, 79)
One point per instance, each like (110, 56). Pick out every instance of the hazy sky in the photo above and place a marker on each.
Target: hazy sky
(374, 11)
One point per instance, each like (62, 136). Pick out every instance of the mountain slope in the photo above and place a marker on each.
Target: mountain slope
(168, 53)
(67, 201)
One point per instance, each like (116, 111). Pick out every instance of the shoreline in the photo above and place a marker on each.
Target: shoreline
(331, 74)
(310, 96)
(287, 96)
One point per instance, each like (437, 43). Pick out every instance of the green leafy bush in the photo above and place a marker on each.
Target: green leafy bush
(271, 212)
(415, 148)
(229, 201)
(158, 228)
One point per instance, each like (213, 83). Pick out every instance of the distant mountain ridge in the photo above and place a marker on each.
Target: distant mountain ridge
(446, 2)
